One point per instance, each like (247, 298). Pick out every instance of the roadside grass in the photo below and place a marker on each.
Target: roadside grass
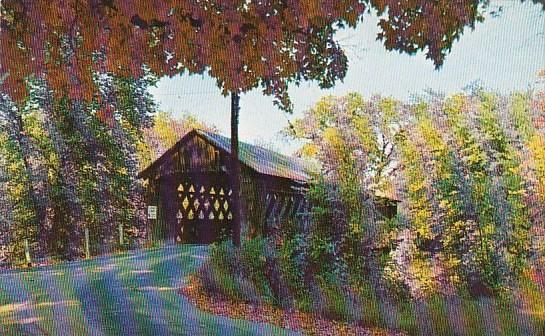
(437, 309)
(139, 294)
(518, 314)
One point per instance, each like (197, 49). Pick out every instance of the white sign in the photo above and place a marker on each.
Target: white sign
(152, 212)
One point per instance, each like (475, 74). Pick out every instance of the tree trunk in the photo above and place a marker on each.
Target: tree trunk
(235, 168)
(34, 194)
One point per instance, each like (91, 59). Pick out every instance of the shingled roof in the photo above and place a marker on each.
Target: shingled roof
(262, 160)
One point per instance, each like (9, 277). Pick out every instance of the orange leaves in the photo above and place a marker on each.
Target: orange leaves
(106, 115)
(295, 320)
(243, 45)
(418, 25)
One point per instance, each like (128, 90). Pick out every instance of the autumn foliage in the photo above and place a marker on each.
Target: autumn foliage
(468, 169)
(242, 44)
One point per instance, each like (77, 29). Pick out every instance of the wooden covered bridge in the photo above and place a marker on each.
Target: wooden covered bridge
(191, 188)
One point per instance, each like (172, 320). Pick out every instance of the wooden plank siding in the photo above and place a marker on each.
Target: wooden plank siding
(191, 188)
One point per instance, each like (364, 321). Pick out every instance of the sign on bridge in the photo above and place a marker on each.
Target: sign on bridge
(152, 212)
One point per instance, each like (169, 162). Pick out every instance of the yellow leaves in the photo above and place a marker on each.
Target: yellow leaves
(421, 268)
(388, 107)
(488, 229)
(355, 103)
(123, 171)
(455, 105)
(520, 192)
(309, 150)
(515, 170)
(537, 148)
(519, 110)
(145, 154)
(416, 186)
(355, 228)
(163, 128)
(333, 137)
(421, 110)
(444, 204)
(475, 156)
(424, 231)
(431, 135)
(365, 132)
(323, 109)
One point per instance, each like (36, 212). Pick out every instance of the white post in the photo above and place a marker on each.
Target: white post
(27, 253)
(120, 234)
(87, 252)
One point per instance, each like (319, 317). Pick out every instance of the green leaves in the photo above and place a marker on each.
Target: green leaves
(468, 167)
(71, 170)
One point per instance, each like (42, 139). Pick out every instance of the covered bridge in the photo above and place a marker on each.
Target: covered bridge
(191, 188)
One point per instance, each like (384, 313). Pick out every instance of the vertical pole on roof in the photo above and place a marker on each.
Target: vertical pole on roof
(235, 168)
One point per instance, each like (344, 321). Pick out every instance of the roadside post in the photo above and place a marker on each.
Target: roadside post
(87, 252)
(27, 254)
(120, 234)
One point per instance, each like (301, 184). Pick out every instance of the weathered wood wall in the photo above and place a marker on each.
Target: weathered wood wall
(193, 194)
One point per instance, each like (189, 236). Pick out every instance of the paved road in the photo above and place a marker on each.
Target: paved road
(135, 293)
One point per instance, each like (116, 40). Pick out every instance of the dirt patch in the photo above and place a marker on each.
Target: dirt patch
(308, 323)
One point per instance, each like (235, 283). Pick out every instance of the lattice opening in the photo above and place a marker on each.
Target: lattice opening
(204, 202)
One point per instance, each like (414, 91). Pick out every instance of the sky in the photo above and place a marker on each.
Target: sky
(503, 54)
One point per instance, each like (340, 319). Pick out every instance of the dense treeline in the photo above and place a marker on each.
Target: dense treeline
(67, 165)
(481, 198)
(469, 170)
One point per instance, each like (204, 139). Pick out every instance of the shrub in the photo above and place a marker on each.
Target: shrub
(237, 274)
(371, 314)
(254, 261)
(226, 274)
(219, 282)
(338, 302)
(292, 262)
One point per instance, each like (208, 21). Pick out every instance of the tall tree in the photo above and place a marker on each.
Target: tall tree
(67, 170)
